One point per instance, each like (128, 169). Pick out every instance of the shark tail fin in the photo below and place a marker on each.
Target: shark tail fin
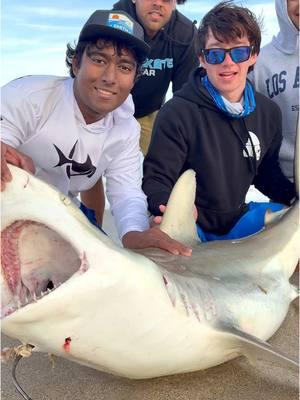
(178, 220)
(255, 349)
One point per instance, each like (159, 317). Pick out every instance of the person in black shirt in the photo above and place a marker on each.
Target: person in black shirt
(171, 37)
(218, 126)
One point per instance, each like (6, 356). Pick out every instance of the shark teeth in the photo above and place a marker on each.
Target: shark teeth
(29, 298)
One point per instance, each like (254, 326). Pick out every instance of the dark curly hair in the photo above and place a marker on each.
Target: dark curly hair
(79, 49)
(227, 22)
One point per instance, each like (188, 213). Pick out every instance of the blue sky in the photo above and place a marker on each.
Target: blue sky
(35, 32)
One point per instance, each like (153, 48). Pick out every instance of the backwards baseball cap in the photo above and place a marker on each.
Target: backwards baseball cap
(116, 25)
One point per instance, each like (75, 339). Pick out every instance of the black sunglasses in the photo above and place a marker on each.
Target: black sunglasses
(237, 54)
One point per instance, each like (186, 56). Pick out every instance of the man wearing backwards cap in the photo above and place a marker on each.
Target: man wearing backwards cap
(71, 131)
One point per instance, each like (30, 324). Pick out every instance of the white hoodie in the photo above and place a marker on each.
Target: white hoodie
(41, 118)
(276, 75)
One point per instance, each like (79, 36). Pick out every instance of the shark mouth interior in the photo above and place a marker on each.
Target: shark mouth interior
(35, 260)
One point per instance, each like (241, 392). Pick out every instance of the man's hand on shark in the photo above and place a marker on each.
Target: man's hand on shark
(154, 237)
(15, 157)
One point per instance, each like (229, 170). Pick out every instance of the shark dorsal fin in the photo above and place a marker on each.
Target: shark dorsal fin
(178, 220)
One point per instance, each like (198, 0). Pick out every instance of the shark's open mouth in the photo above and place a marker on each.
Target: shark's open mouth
(35, 260)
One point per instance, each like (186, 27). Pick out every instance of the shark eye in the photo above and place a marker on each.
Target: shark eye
(65, 199)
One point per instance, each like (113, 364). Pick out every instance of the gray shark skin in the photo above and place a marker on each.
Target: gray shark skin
(68, 290)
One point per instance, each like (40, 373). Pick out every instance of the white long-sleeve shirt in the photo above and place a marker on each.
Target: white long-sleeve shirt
(40, 117)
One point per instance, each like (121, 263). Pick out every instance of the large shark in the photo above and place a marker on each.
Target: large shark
(67, 289)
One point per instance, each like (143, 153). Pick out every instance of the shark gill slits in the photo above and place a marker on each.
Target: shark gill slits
(26, 184)
(262, 289)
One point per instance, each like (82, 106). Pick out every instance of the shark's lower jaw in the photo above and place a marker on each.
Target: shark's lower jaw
(35, 260)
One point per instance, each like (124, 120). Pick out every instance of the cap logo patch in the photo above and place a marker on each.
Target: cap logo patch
(121, 22)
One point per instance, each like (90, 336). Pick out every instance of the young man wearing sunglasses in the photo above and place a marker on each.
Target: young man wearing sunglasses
(218, 126)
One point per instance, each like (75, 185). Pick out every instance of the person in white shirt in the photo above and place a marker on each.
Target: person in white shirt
(71, 131)
(276, 75)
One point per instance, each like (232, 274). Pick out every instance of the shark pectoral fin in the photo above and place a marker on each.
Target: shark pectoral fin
(178, 220)
(255, 349)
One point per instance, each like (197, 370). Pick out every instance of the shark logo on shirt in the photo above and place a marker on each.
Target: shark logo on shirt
(75, 168)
